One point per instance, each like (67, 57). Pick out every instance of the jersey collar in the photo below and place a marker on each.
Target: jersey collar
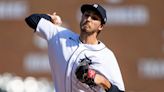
(99, 46)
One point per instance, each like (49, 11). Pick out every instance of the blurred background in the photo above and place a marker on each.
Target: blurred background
(134, 32)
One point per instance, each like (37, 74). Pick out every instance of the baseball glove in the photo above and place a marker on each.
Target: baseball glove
(84, 73)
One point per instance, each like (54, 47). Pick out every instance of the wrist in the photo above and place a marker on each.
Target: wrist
(102, 81)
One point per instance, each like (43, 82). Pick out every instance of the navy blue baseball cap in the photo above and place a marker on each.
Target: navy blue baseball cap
(95, 7)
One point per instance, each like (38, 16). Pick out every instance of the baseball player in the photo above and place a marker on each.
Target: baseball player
(79, 63)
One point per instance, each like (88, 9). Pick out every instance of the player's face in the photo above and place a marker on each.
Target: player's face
(90, 22)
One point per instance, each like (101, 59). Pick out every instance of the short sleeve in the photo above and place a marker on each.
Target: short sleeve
(47, 30)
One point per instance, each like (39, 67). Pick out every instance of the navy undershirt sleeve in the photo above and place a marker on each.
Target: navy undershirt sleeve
(34, 19)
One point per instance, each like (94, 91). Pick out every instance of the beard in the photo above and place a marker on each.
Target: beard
(85, 26)
(86, 29)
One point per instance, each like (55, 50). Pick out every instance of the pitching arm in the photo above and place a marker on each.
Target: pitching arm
(34, 19)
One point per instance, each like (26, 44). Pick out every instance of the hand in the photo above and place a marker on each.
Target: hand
(55, 19)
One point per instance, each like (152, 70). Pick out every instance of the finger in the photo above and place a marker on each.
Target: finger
(49, 14)
(54, 13)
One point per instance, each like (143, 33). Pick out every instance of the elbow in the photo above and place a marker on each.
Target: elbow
(32, 21)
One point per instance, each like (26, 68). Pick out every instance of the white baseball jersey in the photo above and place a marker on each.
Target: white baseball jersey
(65, 50)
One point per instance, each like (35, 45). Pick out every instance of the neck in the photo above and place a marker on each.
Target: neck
(88, 39)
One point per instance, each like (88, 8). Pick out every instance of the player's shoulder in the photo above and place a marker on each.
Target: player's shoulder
(108, 53)
(108, 50)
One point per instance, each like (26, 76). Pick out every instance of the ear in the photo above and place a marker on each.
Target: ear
(101, 27)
